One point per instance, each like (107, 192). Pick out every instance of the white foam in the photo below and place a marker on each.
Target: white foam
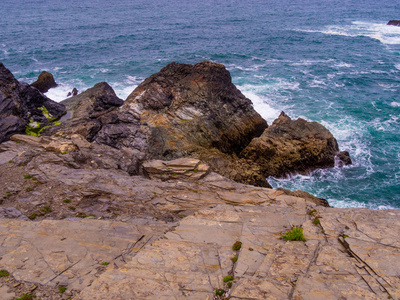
(343, 65)
(262, 107)
(124, 89)
(60, 92)
(380, 31)
(395, 104)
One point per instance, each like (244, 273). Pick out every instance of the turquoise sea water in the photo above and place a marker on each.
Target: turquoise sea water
(335, 62)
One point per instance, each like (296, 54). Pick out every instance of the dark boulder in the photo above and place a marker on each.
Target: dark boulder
(344, 158)
(394, 22)
(292, 146)
(73, 93)
(44, 82)
(21, 104)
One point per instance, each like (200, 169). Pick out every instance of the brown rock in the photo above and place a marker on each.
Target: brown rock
(44, 82)
(191, 106)
(289, 146)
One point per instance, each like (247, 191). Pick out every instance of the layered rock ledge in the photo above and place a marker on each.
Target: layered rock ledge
(103, 234)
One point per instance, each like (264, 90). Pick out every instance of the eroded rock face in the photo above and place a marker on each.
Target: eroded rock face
(44, 82)
(21, 104)
(292, 146)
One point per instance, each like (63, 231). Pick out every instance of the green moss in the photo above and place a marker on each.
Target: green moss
(67, 200)
(81, 215)
(62, 289)
(228, 278)
(229, 284)
(345, 236)
(26, 297)
(45, 209)
(181, 217)
(27, 176)
(33, 216)
(29, 189)
(194, 191)
(296, 234)
(195, 171)
(4, 273)
(312, 212)
(237, 245)
(234, 259)
(106, 263)
(323, 231)
(316, 221)
(63, 152)
(219, 292)
(10, 161)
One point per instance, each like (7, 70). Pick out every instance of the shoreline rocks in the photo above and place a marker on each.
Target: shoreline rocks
(22, 105)
(90, 207)
(195, 111)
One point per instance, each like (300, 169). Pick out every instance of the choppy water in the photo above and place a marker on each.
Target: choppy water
(335, 62)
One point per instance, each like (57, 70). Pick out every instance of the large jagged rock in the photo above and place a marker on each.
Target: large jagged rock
(192, 106)
(21, 104)
(394, 22)
(292, 146)
(45, 82)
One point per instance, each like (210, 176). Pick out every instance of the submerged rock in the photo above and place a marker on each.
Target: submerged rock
(394, 22)
(44, 82)
(21, 104)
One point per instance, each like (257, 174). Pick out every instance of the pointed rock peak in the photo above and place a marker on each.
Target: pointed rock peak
(44, 82)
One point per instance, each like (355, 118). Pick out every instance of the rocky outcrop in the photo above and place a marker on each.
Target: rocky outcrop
(394, 22)
(292, 146)
(195, 111)
(21, 104)
(78, 220)
(45, 82)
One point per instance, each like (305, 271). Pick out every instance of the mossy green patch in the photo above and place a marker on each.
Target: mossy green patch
(4, 273)
(234, 259)
(316, 221)
(32, 216)
(26, 297)
(228, 278)
(237, 245)
(62, 289)
(219, 292)
(67, 200)
(296, 234)
(45, 209)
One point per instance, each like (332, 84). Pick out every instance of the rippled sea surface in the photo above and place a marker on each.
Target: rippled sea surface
(335, 62)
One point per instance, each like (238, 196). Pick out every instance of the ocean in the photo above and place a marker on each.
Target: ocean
(334, 62)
